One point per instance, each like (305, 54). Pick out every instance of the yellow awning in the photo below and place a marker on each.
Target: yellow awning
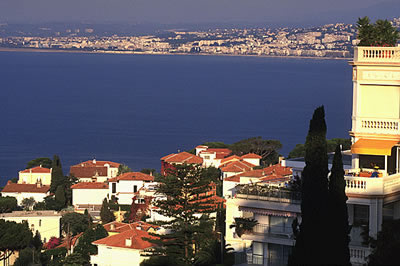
(373, 146)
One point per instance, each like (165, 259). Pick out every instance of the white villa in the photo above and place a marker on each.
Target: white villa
(375, 135)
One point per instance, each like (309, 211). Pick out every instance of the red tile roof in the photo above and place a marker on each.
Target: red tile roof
(73, 242)
(37, 169)
(237, 167)
(122, 227)
(183, 157)
(90, 185)
(272, 172)
(119, 240)
(88, 171)
(220, 153)
(98, 163)
(230, 158)
(28, 188)
(132, 176)
(251, 156)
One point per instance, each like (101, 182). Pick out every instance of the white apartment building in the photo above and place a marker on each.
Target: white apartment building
(375, 136)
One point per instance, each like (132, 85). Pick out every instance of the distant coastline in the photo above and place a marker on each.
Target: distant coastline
(44, 50)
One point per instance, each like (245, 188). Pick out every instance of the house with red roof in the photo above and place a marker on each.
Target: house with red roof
(168, 162)
(124, 187)
(22, 191)
(88, 195)
(94, 171)
(212, 156)
(235, 167)
(125, 248)
(35, 175)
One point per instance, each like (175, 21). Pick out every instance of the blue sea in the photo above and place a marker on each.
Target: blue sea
(134, 109)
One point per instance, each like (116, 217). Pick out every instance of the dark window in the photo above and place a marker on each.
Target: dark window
(114, 188)
(370, 161)
(134, 188)
(361, 215)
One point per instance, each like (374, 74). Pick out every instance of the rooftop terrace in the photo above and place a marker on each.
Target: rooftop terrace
(377, 54)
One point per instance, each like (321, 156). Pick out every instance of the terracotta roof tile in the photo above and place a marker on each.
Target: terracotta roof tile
(37, 169)
(90, 185)
(274, 171)
(98, 163)
(31, 188)
(183, 157)
(88, 171)
(132, 176)
(230, 158)
(251, 156)
(237, 167)
(119, 240)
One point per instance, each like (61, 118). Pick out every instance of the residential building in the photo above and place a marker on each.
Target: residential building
(125, 248)
(212, 156)
(372, 180)
(167, 162)
(48, 223)
(25, 191)
(94, 171)
(35, 175)
(124, 187)
(90, 196)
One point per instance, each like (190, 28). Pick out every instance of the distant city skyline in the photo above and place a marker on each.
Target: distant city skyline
(283, 12)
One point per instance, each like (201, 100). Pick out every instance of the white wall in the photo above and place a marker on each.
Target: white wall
(22, 195)
(110, 256)
(88, 196)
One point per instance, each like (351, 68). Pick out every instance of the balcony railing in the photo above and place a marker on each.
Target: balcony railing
(274, 230)
(377, 54)
(373, 186)
(359, 255)
(376, 125)
(255, 192)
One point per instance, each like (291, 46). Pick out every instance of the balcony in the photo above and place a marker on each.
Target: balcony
(377, 54)
(371, 125)
(372, 186)
(265, 193)
(273, 231)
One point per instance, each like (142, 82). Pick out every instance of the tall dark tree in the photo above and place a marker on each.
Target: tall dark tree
(188, 203)
(106, 214)
(57, 176)
(85, 246)
(339, 228)
(60, 195)
(310, 245)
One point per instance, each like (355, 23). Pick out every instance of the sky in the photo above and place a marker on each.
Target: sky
(194, 11)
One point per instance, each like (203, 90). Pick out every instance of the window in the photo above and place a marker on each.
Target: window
(278, 254)
(113, 187)
(134, 189)
(279, 224)
(361, 215)
(40, 222)
(258, 254)
(370, 161)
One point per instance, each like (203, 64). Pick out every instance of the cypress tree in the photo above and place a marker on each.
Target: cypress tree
(60, 195)
(106, 214)
(311, 241)
(57, 176)
(339, 228)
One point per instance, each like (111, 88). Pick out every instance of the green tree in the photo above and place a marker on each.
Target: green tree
(386, 248)
(28, 203)
(14, 180)
(43, 161)
(60, 195)
(267, 149)
(75, 259)
(13, 236)
(85, 246)
(122, 168)
(8, 204)
(188, 205)
(338, 216)
(57, 176)
(300, 149)
(106, 214)
(74, 223)
(382, 33)
(26, 257)
(311, 244)
(37, 241)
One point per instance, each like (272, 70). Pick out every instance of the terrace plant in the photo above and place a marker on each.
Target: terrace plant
(243, 225)
(382, 33)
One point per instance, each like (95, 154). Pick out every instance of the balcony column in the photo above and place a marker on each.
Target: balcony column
(375, 216)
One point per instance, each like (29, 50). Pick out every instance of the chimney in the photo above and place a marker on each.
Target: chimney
(281, 158)
(128, 242)
(112, 227)
(40, 166)
(94, 160)
(138, 227)
(151, 173)
(39, 184)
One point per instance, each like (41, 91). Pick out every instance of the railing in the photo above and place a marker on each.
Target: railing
(376, 125)
(373, 186)
(359, 255)
(376, 54)
(268, 194)
(278, 231)
(255, 259)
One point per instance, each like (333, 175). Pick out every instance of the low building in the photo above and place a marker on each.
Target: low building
(168, 162)
(35, 175)
(47, 223)
(212, 156)
(124, 187)
(94, 171)
(25, 191)
(89, 195)
(125, 248)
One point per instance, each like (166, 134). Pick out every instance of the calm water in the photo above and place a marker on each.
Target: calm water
(136, 108)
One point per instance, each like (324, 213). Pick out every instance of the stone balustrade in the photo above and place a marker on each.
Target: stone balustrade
(377, 125)
(372, 186)
(377, 54)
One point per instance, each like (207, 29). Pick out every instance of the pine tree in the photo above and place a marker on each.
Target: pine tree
(106, 214)
(60, 195)
(57, 176)
(188, 203)
(339, 220)
(311, 241)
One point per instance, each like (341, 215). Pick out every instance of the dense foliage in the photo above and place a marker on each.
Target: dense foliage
(85, 247)
(8, 204)
(13, 236)
(300, 149)
(106, 214)
(382, 33)
(74, 223)
(188, 206)
(43, 161)
(386, 248)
